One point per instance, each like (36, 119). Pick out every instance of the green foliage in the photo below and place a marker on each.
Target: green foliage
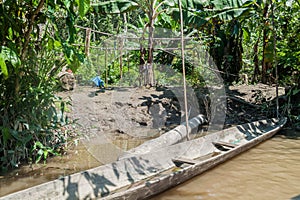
(3, 67)
(113, 72)
(42, 151)
(130, 78)
(84, 6)
(192, 10)
(230, 29)
(288, 27)
(229, 10)
(35, 44)
(8, 55)
(87, 71)
(292, 107)
(37, 37)
(167, 76)
(30, 118)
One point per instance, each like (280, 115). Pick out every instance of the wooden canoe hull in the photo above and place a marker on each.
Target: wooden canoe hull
(158, 185)
(145, 175)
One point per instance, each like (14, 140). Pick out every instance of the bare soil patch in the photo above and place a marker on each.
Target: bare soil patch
(131, 112)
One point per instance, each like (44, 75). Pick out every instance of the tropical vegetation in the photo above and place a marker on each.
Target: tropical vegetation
(257, 38)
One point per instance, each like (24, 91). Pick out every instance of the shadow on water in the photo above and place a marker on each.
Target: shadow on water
(289, 133)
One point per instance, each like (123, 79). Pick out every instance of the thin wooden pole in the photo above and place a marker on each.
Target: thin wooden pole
(183, 73)
(275, 58)
(121, 59)
(98, 63)
(126, 30)
(105, 63)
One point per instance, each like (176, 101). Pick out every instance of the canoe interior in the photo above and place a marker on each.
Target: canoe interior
(195, 157)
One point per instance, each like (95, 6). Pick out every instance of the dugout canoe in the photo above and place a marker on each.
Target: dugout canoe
(144, 175)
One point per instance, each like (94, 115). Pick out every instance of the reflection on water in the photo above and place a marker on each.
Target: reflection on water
(27, 176)
(271, 170)
(76, 160)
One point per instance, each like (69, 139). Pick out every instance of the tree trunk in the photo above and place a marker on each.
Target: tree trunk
(146, 67)
(255, 60)
(232, 56)
(142, 64)
(149, 66)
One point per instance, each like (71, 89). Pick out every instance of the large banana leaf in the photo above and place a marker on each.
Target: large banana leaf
(194, 4)
(83, 7)
(230, 9)
(116, 6)
(190, 18)
(197, 12)
(192, 10)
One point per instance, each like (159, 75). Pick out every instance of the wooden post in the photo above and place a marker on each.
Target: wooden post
(105, 63)
(121, 58)
(87, 41)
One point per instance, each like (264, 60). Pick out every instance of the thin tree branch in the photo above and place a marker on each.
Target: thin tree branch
(161, 3)
(30, 27)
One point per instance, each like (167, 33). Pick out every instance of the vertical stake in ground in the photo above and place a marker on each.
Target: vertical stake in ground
(105, 63)
(87, 41)
(183, 73)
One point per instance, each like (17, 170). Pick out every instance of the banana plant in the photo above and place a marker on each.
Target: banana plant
(224, 25)
(201, 15)
(221, 22)
(152, 9)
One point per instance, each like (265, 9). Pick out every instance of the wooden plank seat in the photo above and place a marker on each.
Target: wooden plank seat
(225, 144)
(184, 161)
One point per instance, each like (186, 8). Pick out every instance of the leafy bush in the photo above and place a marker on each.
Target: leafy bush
(29, 120)
(36, 42)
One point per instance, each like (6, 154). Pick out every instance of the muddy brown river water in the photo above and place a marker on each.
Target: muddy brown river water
(271, 170)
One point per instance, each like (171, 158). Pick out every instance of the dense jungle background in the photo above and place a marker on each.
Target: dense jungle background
(47, 46)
